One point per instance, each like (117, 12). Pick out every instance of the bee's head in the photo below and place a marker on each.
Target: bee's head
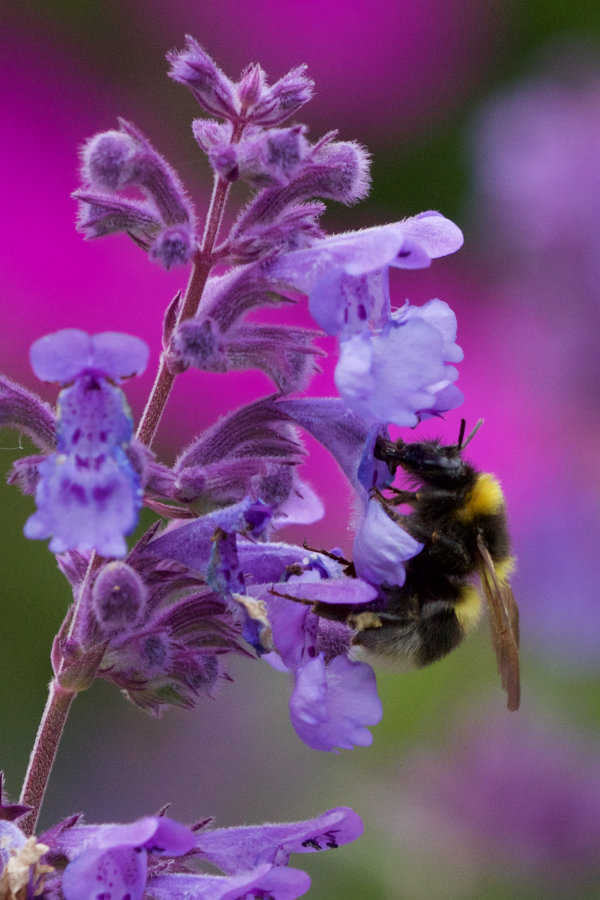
(431, 461)
(437, 464)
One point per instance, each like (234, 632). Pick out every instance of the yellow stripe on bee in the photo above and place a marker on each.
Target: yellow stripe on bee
(505, 567)
(485, 498)
(467, 608)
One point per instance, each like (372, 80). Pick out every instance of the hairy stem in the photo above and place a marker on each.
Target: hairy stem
(43, 753)
(52, 723)
(201, 269)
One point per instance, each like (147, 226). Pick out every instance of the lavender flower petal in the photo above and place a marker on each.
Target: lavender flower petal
(331, 706)
(238, 849)
(381, 547)
(88, 495)
(264, 881)
(330, 421)
(63, 356)
(388, 377)
(118, 871)
(406, 244)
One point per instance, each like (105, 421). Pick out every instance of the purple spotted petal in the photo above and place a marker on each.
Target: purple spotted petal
(381, 547)
(239, 849)
(63, 356)
(331, 706)
(88, 495)
(81, 509)
(343, 304)
(117, 872)
(411, 243)
(265, 881)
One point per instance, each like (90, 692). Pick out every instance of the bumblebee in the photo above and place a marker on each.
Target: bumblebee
(459, 515)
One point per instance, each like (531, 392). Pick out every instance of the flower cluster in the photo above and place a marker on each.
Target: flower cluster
(160, 858)
(160, 620)
(211, 577)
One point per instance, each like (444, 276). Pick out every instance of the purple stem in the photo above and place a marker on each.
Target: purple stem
(43, 753)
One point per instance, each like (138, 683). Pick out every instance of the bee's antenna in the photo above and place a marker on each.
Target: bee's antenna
(461, 445)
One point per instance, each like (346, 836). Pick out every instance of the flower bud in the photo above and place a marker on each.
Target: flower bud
(119, 598)
(109, 161)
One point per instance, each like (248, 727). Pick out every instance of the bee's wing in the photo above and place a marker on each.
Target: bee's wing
(504, 620)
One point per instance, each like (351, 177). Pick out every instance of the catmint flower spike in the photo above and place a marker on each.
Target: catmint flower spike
(88, 495)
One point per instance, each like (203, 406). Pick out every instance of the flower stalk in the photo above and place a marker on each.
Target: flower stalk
(44, 752)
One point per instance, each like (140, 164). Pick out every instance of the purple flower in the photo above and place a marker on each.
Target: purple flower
(263, 881)
(331, 706)
(394, 368)
(401, 374)
(88, 495)
(114, 858)
(411, 243)
(274, 585)
(381, 547)
(237, 850)
(158, 857)
(334, 700)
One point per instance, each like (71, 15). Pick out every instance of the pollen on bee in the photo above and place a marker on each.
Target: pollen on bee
(364, 620)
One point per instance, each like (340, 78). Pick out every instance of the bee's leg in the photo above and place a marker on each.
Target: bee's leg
(399, 497)
(347, 563)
